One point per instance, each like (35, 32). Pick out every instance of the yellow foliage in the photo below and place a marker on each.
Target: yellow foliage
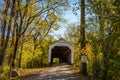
(43, 23)
(59, 19)
(53, 17)
(5, 16)
(31, 8)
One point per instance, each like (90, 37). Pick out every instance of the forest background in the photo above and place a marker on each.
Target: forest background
(27, 29)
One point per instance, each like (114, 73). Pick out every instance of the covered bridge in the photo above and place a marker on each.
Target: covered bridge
(62, 50)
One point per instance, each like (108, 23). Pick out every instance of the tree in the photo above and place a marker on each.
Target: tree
(105, 17)
(82, 37)
(5, 25)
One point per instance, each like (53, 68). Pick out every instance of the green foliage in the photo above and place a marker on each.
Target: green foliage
(105, 42)
(36, 60)
(96, 68)
(56, 60)
(4, 75)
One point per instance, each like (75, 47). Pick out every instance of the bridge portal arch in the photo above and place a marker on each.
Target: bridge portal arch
(61, 49)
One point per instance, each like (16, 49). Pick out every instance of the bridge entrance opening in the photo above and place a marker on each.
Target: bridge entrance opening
(63, 53)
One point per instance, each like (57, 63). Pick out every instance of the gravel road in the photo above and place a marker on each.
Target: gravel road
(55, 72)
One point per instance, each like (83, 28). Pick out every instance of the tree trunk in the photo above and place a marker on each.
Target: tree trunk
(82, 27)
(83, 68)
(20, 56)
(15, 52)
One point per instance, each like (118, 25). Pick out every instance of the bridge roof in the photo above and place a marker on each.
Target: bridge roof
(61, 42)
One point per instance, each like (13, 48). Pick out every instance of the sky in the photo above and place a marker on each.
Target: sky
(70, 17)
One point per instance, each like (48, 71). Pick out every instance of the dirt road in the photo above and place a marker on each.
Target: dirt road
(55, 72)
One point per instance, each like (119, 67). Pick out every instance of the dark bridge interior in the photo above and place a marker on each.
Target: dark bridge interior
(63, 53)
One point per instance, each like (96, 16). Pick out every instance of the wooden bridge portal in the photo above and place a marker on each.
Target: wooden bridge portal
(62, 50)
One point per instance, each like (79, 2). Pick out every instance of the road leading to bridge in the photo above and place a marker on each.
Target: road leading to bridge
(55, 72)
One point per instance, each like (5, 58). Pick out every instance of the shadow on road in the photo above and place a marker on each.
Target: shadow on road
(60, 71)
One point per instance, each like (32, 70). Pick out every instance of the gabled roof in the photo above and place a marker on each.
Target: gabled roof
(61, 42)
